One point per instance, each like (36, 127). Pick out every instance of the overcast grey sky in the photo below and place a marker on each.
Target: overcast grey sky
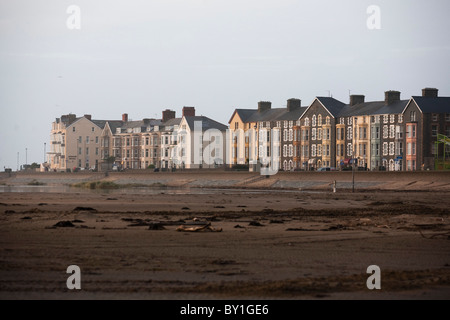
(140, 57)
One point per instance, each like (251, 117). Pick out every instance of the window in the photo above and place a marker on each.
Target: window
(412, 116)
(236, 125)
(93, 129)
(319, 120)
(267, 133)
(313, 134)
(392, 118)
(349, 121)
(328, 121)
(385, 148)
(341, 121)
(285, 135)
(291, 150)
(349, 149)
(73, 129)
(319, 134)
(413, 148)
(306, 135)
(376, 132)
(146, 153)
(385, 118)
(447, 117)
(314, 121)
(285, 151)
(349, 133)
(307, 121)
(433, 149)
(291, 133)
(87, 151)
(408, 148)
(399, 132)
(376, 149)
(291, 123)
(391, 148)
(385, 132)
(79, 151)
(319, 150)
(327, 150)
(80, 139)
(434, 117)
(434, 130)
(96, 151)
(362, 133)
(399, 148)
(313, 150)
(327, 134)
(400, 118)
(96, 139)
(391, 131)
(278, 124)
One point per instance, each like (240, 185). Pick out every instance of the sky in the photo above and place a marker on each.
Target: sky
(143, 56)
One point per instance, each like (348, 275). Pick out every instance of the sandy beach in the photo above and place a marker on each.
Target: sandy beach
(286, 236)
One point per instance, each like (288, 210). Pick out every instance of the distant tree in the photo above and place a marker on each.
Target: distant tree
(34, 165)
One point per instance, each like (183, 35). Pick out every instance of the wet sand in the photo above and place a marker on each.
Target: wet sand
(275, 243)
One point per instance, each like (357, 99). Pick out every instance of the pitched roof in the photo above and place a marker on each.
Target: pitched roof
(373, 108)
(433, 105)
(207, 123)
(332, 105)
(244, 114)
(292, 115)
(171, 122)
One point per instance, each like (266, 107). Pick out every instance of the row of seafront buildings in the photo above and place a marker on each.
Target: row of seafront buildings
(391, 134)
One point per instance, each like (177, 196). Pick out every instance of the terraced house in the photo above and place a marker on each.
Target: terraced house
(80, 142)
(390, 134)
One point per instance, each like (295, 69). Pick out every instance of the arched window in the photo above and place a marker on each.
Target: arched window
(314, 121)
(319, 120)
(328, 120)
(307, 121)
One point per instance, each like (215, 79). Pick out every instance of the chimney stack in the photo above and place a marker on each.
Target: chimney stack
(264, 105)
(356, 99)
(188, 112)
(293, 104)
(167, 115)
(430, 92)
(125, 117)
(391, 97)
(88, 116)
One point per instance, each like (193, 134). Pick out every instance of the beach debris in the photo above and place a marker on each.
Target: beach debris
(42, 204)
(185, 208)
(9, 211)
(219, 207)
(111, 199)
(206, 227)
(444, 235)
(64, 224)
(77, 221)
(85, 209)
(156, 226)
(239, 227)
(26, 218)
(255, 223)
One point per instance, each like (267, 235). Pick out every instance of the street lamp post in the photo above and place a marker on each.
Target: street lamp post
(26, 156)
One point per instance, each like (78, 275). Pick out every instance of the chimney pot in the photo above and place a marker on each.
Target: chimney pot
(293, 104)
(188, 111)
(391, 97)
(125, 117)
(88, 116)
(356, 99)
(264, 105)
(430, 92)
(167, 115)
